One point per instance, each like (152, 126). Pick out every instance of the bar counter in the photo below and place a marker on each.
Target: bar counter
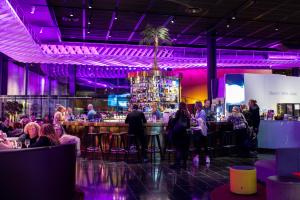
(276, 134)
(79, 128)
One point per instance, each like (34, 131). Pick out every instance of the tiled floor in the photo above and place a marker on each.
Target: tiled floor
(119, 180)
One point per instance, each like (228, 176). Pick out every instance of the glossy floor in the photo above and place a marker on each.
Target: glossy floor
(156, 181)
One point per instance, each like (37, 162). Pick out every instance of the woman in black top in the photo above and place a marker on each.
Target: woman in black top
(31, 133)
(180, 136)
(47, 137)
(255, 116)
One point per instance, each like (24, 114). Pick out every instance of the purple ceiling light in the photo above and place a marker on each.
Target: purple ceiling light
(17, 42)
(100, 84)
(15, 37)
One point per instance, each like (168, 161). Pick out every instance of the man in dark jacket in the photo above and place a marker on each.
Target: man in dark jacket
(255, 119)
(136, 120)
(255, 116)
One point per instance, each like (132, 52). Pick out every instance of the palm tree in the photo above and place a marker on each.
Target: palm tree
(155, 36)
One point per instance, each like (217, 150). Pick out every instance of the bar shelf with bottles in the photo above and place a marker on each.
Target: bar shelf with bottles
(160, 87)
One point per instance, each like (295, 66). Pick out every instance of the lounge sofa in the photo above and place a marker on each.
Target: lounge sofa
(45, 173)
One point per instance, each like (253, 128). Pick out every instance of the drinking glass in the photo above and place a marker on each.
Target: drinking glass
(19, 145)
(13, 144)
(27, 143)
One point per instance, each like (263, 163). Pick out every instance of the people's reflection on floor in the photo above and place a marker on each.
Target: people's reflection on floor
(105, 180)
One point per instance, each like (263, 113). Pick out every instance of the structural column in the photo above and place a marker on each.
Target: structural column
(26, 86)
(295, 71)
(72, 80)
(3, 74)
(211, 65)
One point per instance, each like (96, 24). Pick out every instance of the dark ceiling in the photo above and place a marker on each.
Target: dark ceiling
(238, 23)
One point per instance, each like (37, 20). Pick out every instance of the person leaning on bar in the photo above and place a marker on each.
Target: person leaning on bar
(91, 113)
(136, 120)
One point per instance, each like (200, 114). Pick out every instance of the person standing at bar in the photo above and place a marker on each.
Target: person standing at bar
(181, 139)
(155, 112)
(69, 114)
(59, 116)
(136, 120)
(240, 130)
(91, 113)
(209, 113)
(200, 134)
(255, 119)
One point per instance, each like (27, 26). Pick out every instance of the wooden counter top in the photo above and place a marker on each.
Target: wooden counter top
(110, 124)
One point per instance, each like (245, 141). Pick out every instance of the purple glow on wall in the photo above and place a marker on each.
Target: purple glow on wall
(15, 82)
(43, 86)
(100, 84)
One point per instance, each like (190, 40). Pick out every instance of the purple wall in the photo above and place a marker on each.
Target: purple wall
(16, 77)
(37, 84)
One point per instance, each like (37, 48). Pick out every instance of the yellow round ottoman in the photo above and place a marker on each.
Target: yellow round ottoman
(243, 180)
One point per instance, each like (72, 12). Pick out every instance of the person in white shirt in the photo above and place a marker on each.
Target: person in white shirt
(59, 116)
(200, 133)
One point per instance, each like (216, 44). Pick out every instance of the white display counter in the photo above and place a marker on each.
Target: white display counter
(275, 134)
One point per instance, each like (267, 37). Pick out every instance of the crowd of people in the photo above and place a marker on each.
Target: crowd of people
(184, 127)
(32, 133)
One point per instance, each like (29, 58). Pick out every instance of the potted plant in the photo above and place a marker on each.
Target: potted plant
(13, 108)
(155, 36)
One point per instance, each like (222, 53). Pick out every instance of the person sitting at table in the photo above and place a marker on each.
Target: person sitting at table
(59, 116)
(24, 120)
(136, 120)
(4, 143)
(47, 137)
(200, 133)
(31, 132)
(240, 130)
(17, 130)
(47, 119)
(65, 138)
(5, 125)
(33, 117)
(91, 113)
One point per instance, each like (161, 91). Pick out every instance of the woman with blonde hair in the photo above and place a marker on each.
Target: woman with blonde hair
(47, 137)
(31, 133)
(59, 116)
(240, 130)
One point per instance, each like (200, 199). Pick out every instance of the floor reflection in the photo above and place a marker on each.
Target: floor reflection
(119, 180)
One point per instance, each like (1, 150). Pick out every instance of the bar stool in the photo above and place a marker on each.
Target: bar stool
(152, 136)
(94, 136)
(228, 142)
(104, 135)
(169, 149)
(132, 146)
(115, 145)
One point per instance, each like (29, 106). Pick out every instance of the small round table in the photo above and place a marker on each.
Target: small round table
(283, 187)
